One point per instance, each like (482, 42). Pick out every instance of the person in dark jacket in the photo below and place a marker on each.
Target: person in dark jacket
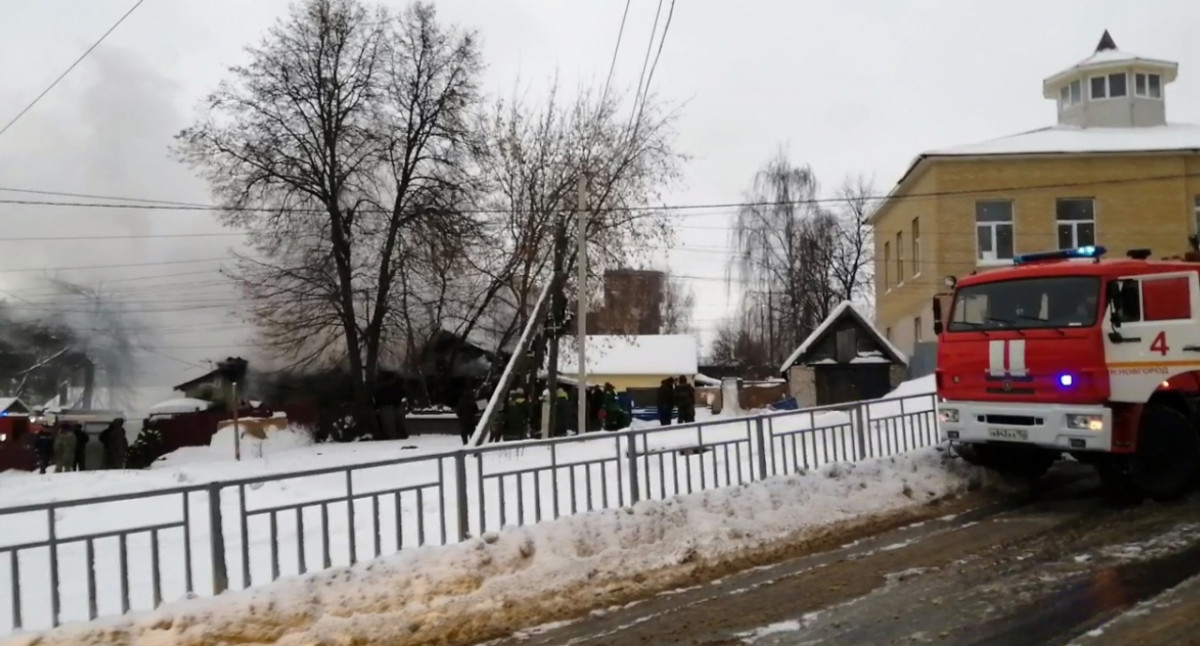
(115, 445)
(81, 442)
(595, 408)
(614, 415)
(516, 416)
(389, 403)
(43, 448)
(563, 414)
(685, 397)
(467, 412)
(666, 401)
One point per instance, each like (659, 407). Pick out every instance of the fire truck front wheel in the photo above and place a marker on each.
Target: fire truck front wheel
(1167, 460)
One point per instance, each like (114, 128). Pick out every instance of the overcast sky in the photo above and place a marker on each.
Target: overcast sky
(856, 87)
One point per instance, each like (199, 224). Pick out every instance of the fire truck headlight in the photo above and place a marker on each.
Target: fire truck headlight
(948, 415)
(1066, 380)
(3, 437)
(1086, 422)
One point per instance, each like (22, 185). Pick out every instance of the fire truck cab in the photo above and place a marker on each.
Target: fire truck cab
(1065, 353)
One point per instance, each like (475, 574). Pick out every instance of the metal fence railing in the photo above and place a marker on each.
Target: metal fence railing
(83, 559)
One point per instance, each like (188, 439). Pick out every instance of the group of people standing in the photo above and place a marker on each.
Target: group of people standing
(676, 393)
(520, 420)
(65, 446)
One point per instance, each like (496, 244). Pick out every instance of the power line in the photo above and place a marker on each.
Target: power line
(93, 196)
(613, 65)
(1000, 192)
(654, 66)
(68, 70)
(645, 62)
(120, 266)
(132, 236)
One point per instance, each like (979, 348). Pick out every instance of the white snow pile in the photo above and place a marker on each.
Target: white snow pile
(222, 446)
(551, 570)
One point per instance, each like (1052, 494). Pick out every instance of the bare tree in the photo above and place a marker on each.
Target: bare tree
(346, 133)
(783, 242)
(737, 343)
(678, 303)
(853, 260)
(535, 158)
(798, 258)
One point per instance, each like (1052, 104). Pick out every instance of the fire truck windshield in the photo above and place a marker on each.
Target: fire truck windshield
(1051, 302)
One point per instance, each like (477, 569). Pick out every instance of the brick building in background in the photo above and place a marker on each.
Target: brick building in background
(1112, 172)
(633, 301)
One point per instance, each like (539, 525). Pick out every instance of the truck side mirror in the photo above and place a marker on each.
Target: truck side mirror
(937, 316)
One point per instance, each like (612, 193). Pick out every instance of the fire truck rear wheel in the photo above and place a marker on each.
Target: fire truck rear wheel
(1167, 460)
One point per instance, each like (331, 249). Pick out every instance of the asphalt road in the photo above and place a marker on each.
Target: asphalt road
(1063, 568)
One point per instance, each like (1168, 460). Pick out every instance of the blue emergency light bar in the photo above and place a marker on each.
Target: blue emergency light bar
(1090, 251)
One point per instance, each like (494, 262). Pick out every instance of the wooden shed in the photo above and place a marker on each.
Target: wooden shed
(845, 359)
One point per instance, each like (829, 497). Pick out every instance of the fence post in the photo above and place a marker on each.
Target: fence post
(861, 426)
(216, 540)
(633, 472)
(760, 438)
(460, 494)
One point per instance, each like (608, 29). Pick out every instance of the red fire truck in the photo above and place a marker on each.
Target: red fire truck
(1064, 353)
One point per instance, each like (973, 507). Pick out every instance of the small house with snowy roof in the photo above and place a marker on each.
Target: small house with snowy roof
(1112, 171)
(845, 359)
(632, 362)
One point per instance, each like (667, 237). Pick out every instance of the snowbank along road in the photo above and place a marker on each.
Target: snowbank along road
(1062, 568)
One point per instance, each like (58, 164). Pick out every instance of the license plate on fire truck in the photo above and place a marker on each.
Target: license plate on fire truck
(1006, 433)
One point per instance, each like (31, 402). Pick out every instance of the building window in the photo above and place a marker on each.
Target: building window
(1076, 222)
(1070, 94)
(887, 263)
(1117, 85)
(994, 230)
(1109, 87)
(1197, 215)
(899, 257)
(916, 246)
(1147, 85)
(917, 330)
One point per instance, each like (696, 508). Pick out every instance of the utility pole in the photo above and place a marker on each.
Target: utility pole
(552, 331)
(581, 219)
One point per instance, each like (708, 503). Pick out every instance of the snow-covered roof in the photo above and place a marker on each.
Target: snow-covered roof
(13, 402)
(1111, 58)
(1107, 54)
(1062, 140)
(659, 354)
(1065, 139)
(837, 313)
(179, 406)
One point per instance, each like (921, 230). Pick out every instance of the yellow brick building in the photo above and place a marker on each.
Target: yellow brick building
(1111, 172)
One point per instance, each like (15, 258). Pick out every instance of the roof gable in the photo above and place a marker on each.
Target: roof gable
(208, 376)
(844, 311)
(13, 405)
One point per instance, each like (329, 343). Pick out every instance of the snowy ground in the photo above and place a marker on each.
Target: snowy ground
(302, 524)
(419, 594)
